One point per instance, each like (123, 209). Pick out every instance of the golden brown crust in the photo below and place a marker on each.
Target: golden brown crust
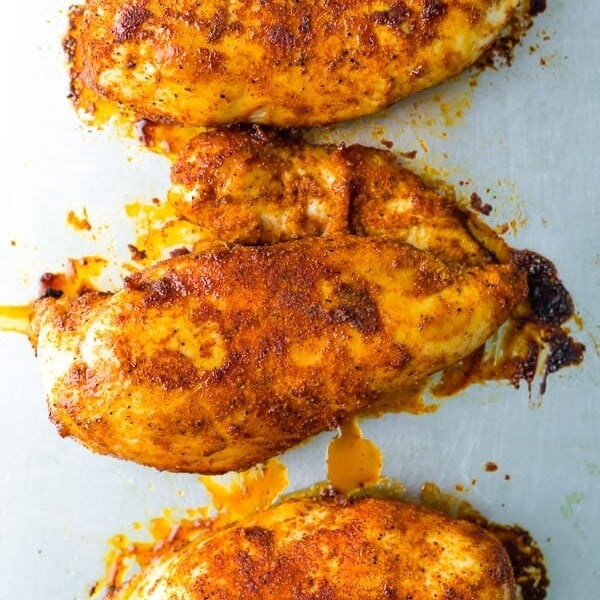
(220, 360)
(259, 187)
(316, 549)
(282, 62)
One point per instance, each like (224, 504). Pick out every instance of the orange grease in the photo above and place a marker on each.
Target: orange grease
(159, 230)
(79, 277)
(15, 318)
(352, 461)
(79, 223)
(233, 497)
(98, 111)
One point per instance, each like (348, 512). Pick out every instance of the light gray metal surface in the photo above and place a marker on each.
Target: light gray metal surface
(530, 136)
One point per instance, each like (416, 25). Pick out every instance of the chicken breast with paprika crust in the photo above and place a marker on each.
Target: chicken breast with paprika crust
(216, 361)
(366, 549)
(282, 62)
(258, 186)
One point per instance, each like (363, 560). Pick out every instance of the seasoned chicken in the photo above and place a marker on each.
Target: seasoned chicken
(285, 63)
(260, 187)
(219, 360)
(362, 550)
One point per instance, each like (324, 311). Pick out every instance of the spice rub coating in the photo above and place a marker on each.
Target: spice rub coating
(285, 63)
(319, 549)
(216, 361)
(258, 186)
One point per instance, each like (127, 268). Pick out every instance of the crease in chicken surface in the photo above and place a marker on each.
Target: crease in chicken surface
(216, 361)
(282, 63)
(260, 187)
(356, 550)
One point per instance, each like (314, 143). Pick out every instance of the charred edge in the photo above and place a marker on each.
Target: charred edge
(526, 558)
(564, 351)
(549, 300)
(52, 293)
(526, 368)
(479, 205)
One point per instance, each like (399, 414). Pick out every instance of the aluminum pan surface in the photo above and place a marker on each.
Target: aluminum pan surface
(530, 135)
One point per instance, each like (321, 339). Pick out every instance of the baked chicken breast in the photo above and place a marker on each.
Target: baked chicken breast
(216, 361)
(284, 63)
(366, 549)
(256, 186)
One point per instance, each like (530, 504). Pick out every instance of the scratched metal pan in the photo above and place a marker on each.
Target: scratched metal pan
(525, 138)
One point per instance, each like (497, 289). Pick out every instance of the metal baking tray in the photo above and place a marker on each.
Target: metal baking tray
(524, 137)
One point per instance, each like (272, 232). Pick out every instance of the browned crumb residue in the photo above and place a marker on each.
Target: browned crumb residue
(490, 467)
(501, 52)
(479, 205)
(79, 223)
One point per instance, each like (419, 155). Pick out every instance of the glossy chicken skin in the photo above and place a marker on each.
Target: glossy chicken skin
(281, 63)
(256, 186)
(217, 361)
(363, 550)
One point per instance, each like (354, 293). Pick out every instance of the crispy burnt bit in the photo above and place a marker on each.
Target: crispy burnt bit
(502, 51)
(537, 7)
(550, 306)
(479, 205)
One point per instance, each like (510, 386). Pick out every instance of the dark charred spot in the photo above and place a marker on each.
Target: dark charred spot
(564, 351)
(160, 291)
(526, 558)
(136, 253)
(281, 38)
(433, 10)
(69, 45)
(259, 536)
(210, 60)
(549, 299)
(479, 205)
(52, 293)
(536, 7)
(218, 26)
(179, 252)
(305, 24)
(163, 290)
(526, 367)
(129, 21)
(389, 592)
(50, 282)
(394, 16)
(357, 308)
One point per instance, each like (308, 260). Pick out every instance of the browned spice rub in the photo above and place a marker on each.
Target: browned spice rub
(282, 63)
(321, 549)
(216, 361)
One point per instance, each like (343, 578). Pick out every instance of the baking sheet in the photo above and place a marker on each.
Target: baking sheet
(528, 134)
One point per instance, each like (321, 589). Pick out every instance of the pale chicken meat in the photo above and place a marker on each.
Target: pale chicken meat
(367, 549)
(256, 186)
(216, 361)
(284, 63)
